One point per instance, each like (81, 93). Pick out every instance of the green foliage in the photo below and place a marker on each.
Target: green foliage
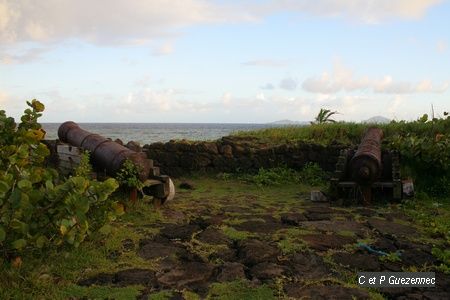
(426, 152)
(391, 257)
(274, 176)
(84, 169)
(102, 292)
(128, 175)
(311, 174)
(324, 116)
(239, 290)
(37, 208)
(444, 256)
(234, 234)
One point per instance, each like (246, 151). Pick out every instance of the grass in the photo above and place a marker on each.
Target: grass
(343, 132)
(239, 290)
(53, 275)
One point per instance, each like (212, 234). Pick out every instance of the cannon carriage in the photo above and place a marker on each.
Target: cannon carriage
(108, 157)
(367, 174)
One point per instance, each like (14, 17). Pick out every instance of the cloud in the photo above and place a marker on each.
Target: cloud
(107, 22)
(229, 101)
(289, 84)
(3, 98)
(150, 101)
(268, 86)
(364, 11)
(441, 46)
(26, 56)
(339, 79)
(164, 49)
(388, 86)
(342, 79)
(140, 21)
(271, 63)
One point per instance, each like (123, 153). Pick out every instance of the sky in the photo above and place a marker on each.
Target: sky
(244, 61)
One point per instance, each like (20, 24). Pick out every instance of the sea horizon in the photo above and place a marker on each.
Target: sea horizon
(147, 133)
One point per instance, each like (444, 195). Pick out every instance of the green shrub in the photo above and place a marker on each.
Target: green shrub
(312, 174)
(128, 175)
(38, 208)
(274, 176)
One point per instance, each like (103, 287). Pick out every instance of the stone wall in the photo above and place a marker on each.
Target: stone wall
(230, 154)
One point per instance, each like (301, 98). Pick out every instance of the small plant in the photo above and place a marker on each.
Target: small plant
(312, 174)
(444, 256)
(273, 176)
(84, 169)
(128, 175)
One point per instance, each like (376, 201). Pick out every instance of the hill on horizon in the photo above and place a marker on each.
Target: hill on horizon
(377, 120)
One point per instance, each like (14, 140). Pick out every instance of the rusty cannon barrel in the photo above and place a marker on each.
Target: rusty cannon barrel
(106, 154)
(366, 165)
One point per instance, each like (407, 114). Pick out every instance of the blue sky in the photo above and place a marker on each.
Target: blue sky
(224, 61)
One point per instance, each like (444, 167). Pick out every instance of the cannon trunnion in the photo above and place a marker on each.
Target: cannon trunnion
(108, 157)
(367, 173)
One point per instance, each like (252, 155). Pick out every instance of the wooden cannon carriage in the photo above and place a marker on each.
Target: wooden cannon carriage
(368, 173)
(108, 157)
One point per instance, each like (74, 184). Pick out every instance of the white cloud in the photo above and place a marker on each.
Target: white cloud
(342, 79)
(3, 98)
(273, 63)
(441, 46)
(26, 56)
(388, 86)
(268, 86)
(288, 83)
(140, 21)
(153, 101)
(363, 11)
(105, 21)
(226, 99)
(395, 104)
(230, 102)
(164, 49)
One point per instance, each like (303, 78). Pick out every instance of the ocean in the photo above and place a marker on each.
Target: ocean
(147, 133)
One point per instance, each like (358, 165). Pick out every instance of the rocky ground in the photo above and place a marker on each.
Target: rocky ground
(225, 239)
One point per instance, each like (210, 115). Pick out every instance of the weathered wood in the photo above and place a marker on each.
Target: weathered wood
(67, 164)
(68, 149)
(70, 158)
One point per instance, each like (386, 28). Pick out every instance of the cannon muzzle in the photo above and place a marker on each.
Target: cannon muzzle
(366, 164)
(106, 154)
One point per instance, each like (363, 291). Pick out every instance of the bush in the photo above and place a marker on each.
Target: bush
(38, 208)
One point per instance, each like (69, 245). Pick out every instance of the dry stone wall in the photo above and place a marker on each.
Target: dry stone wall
(231, 154)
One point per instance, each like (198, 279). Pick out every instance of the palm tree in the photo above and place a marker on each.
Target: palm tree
(324, 116)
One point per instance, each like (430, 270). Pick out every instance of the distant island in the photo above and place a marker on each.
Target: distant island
(373, 120)
(377, 120)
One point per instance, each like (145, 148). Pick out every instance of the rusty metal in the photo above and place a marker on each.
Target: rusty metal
(106, 154)
(367, 174)
(366, 163)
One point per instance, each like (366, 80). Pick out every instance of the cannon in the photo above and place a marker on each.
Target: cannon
(108, 157)
(367, 173)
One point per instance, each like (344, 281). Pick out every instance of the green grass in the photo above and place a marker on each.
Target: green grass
(343, 132)
(347, 133)
(239, 290)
